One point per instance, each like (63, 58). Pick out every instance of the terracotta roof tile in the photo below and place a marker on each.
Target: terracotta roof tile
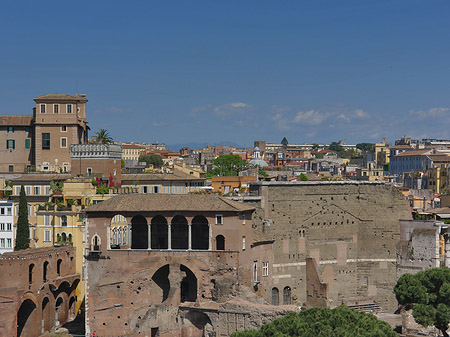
(14, 120)
(168, 202)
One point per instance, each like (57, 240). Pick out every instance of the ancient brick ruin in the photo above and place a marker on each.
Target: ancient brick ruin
(37, 290)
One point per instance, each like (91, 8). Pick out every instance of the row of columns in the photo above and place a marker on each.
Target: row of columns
(169, 236)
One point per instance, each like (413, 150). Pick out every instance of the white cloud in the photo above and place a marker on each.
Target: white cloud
(344, 117)
(360, 113)
(227, 110)
(311, 117)
(430, 112)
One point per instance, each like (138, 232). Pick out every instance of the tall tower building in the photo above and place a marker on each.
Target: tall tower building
(59, 121)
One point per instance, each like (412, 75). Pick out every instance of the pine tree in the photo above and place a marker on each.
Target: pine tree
(23, 229)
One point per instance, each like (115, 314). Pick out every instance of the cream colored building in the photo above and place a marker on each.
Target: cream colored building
(132, 152)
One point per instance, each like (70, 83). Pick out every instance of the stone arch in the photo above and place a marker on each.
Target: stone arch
(200, 233)
(30, 273)
(119, 223)
(46, 315)
(139, 229)
(161, 279)
(45, 271)
(200, 324)
(72, 313)
(160, 233)
(188, 285)
(96, 243)
(287, 295)
(179, 232)
(275, 296)
(27, 319)
(59, 311)
(58, 267)
(220, 242)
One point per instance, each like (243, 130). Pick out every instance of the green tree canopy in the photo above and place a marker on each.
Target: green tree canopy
(23, 227)
(227, 165)
(323, 322)
(336, 147)
(153, 159)
(102, 136)
(428, 293)
(365, 147)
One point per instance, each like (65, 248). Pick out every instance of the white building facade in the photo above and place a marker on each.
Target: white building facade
(6, 226)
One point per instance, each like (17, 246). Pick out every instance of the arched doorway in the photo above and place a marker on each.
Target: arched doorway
(46, 315)
(160, 233)
(179, 232)
(139, 230)
(161, 279)
(220, 242)
(200, 233)
(275, 296)
(59, 311)
(188, 285)
(287, 295)
(26, 319)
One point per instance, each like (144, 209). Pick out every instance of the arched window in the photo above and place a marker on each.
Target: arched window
(63, 237)
(63, 220)
(69, 237)
(200, 233)
(58, 267)
(124, 237)
(160, 233)
(30, 273)
(96, 242)
(58, 237)
(287, 295)
(220, 242)
(114, 236)
(119, 235)
(139, 230)
(45, 269)
(179, 232)
(275, 296)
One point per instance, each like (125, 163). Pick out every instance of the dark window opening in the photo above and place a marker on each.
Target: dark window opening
(23, 317)
(179, 232)
(200, 233)
(46, 141)
(275, 296)
(220, 242)
(188, 285)
(287, 295)
(160, 232)
(44, 276)
(139, 232)
(161, 278)
(58, 267)
(30, 273)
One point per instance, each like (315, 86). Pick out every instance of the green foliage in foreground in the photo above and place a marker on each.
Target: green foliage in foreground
(323, 322)
(428, 293)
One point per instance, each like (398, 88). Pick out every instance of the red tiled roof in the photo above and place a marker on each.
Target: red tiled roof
(14, 120)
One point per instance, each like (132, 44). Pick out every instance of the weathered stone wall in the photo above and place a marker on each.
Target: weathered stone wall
(350, 228)
(37, 290)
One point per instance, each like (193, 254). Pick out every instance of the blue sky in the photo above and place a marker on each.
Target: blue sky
(235, 71)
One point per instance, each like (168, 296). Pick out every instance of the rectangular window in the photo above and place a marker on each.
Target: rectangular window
(69, 108)
(45, 141)
(9, 227)
(55, 108)
(63, 142)
(47, 220)
(47, 190)
(219, 219)
(37, 190)
(243, 243)
(10, 128)
(89, 171)
(2, 211)
(9, 243)
(2, 227)
(10, 144)
(27, 143)
(265, 268)
(255, 271)
(243, 219)
(155, 189)
(28, 190)
(47, 235)
(16, 190)
(9, 211)
(63, 128)
(11, 168)
(144, 189)
(42, 108)
(2, 243)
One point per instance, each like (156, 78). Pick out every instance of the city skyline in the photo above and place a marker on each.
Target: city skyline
(215, 73)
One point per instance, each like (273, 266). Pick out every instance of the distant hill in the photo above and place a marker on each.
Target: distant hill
(177, 147)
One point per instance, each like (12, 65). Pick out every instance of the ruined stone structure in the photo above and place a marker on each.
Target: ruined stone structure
(351, 229)
(175, 265)
(37, 290)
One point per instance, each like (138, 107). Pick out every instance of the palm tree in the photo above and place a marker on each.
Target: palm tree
(102, 136)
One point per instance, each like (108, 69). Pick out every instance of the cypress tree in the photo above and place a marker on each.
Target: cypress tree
(23, 229)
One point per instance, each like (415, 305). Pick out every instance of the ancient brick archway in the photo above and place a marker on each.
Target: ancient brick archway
(139, 230)
(27, 318)
(200, 233)
(179, 232)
